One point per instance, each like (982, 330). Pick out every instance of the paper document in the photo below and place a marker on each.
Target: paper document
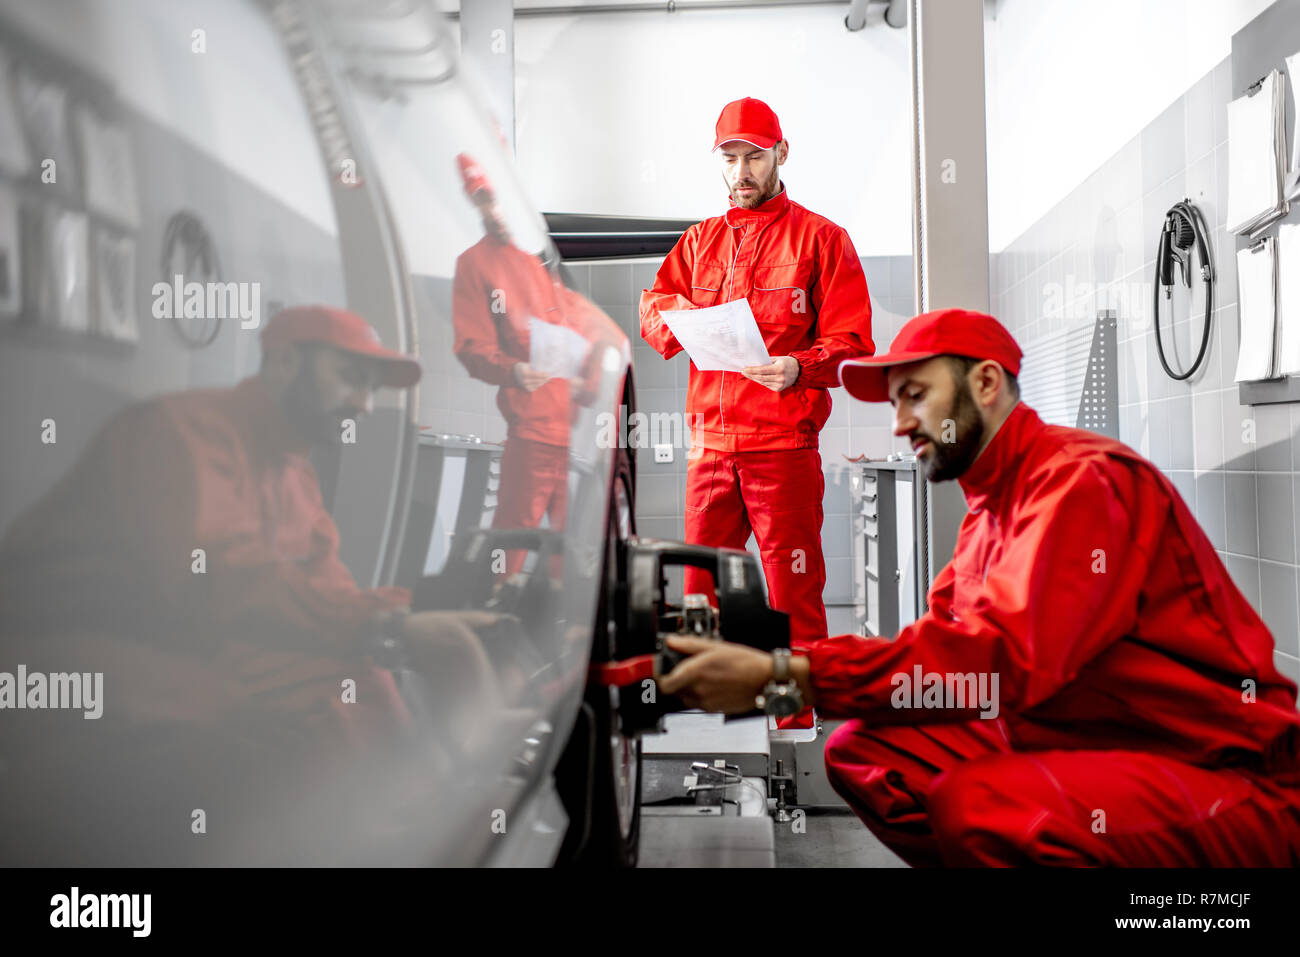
(721, 338)
(1288, 299)
(1257, 311)
(1257, 156)
(1292, 66)
(555, 350)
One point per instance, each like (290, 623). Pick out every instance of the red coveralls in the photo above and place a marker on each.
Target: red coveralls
(760, 469)
(497, 288)
(1142, 720)
(102, 568)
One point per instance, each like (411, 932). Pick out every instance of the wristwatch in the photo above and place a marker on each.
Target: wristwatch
(781, 696)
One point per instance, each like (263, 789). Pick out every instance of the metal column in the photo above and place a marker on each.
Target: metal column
(950, 240)
(487, 39)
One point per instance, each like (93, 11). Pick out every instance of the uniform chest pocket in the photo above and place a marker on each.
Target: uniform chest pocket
(781, 294)
(706, 283)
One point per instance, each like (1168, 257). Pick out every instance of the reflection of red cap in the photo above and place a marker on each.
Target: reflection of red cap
(343, 330)
(750, 120)
(472, 174)
(946, 332)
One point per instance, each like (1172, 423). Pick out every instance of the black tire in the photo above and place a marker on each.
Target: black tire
(599, 774)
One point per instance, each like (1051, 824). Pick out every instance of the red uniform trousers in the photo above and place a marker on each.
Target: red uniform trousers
(534, 482)
(778, 496)
(957, 794)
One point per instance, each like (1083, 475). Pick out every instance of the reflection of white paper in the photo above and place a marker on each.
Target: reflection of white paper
(721, 338)
(109, 163)
(1288, 299)
(1257, 311)
(555, 350)
(1256, 155)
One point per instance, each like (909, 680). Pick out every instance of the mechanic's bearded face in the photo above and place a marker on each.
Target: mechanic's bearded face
(935, 409)
(752, 175)
(494, 224)
(329, 387)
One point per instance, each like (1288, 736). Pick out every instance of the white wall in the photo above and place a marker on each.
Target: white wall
(1071, 81)
(615, 113)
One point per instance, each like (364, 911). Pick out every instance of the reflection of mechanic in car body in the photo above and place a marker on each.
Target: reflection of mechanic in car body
(188, 556)
(499, 289)
(760, 468)
(1134, 678)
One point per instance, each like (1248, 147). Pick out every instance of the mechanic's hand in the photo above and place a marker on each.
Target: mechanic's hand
(443, 643)
(780, 374)
(718, 675)
(528, 377)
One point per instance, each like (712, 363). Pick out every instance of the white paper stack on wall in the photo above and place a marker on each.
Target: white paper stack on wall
(1257, 311)
(1257, 156)
(1288, 299)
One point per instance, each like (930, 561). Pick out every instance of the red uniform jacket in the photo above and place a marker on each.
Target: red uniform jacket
(806, 288)
(497, 288)
(1083, 581)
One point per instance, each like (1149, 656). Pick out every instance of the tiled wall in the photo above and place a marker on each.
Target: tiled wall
(853, 427)
(1238, 467)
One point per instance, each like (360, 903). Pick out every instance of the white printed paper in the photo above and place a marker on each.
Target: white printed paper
(721, 338)
(1257, 311)
(1292, 65)
(1257, 156)
(1288, 299)
(555, 350)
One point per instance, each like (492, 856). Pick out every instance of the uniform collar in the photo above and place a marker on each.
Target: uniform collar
(769, 209)
(994, 469)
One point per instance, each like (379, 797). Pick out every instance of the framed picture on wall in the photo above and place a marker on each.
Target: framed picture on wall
(114, 285)
(43, 107)
(108, 162)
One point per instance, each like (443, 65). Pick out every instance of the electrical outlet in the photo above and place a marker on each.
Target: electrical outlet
(663, 452)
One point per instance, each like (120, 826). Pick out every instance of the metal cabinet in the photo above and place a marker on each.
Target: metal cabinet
(904, 531)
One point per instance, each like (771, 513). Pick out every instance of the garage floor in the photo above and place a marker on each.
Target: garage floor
(828, 837)
(832, 838)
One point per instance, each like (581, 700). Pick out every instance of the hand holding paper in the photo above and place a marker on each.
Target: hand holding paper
(721, 338)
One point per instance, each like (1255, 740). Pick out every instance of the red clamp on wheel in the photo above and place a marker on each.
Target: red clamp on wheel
(627, 672)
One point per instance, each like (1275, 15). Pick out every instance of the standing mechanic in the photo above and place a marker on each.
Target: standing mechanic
(1138, 717)
(498, 289)
(756, 432)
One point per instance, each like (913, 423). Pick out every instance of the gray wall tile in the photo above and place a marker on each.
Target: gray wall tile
(1164, 146)
(1273, 438)
(1277, 603)
(1207, 411)
(1276, 518)
(1211, 508)
(1181, 433)
(1245, 573)
(1240, 495)
(656, 496)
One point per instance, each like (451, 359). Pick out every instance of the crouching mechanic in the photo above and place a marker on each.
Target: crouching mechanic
(755, 463)
(1088, 686)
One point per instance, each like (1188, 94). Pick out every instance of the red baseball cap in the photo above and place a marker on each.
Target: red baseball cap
(750, 120)
(342, 330)
(472, 174)
(945, 332)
